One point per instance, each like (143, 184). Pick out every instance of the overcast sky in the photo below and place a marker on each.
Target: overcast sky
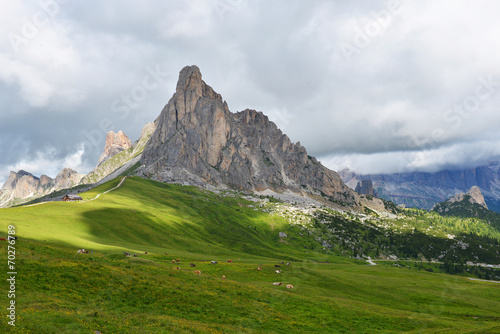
(376, 86)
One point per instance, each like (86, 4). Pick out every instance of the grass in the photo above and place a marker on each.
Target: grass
(60, 291)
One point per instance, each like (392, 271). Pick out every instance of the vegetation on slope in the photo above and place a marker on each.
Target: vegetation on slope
(412, 233)
(466, 209)
(65, 292)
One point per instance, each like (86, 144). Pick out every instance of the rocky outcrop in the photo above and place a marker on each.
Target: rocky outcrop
(199, 141)
(470, 204)
(365, 187)
(115, 143)
(473, 196)
(66, 178)
(22, 186)
(121, 161)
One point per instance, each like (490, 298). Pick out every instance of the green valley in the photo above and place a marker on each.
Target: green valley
(61, 291)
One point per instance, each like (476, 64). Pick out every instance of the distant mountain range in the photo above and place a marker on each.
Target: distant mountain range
(23, 186)
(424, 190)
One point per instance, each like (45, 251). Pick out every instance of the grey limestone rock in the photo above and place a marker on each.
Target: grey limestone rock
(199, 141)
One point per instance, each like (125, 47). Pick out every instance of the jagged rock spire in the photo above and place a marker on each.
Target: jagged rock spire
(199, 141)
(115, 143)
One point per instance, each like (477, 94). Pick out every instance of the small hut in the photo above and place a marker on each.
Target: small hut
(69, 198)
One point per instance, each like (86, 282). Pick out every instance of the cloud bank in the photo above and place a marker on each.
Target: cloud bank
(376, 86)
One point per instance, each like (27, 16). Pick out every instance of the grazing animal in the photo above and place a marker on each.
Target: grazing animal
(3, 239)
(81, 251)
(135, 255)
(289, 286)
(278, 271)
(259, 269)
(126, 253)
(177, 268)
(223, 276)
(288, 263)
(282, 262)
(178, 260)
(197, 272)
(229, 261)
(145, 252)
(277, 283)
(192, 265)
(277, 266)
(173, 261)
(213, 262)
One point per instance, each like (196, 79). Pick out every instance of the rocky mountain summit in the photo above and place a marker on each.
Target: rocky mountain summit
(473, 196)
(115, 143)
(470, 204)
(22, 186)
(198, 141)
(121, 161)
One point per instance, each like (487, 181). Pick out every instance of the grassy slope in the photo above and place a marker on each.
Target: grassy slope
(60, 291)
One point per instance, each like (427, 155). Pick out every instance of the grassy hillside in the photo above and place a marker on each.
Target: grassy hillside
(60, 291)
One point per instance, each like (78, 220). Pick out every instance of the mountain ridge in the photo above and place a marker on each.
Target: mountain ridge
(23, 186)
(424, 190)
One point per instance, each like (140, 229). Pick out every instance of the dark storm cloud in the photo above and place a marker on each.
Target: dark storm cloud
(371, 85)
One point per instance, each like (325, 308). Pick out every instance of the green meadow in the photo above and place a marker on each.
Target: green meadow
(61, 291)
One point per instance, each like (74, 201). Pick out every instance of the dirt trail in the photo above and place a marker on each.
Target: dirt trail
(482, 280)
(107, 191)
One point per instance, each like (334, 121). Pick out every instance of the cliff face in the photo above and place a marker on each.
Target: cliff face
(365, 187)
(22, 186)
(199, 141)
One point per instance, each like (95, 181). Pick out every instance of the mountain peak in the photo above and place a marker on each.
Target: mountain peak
(115, 143)
(476, 196)
(22, 173)
(23, 186)
(468, 204)
(189, 77)
(198, 141)
(191, 88)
